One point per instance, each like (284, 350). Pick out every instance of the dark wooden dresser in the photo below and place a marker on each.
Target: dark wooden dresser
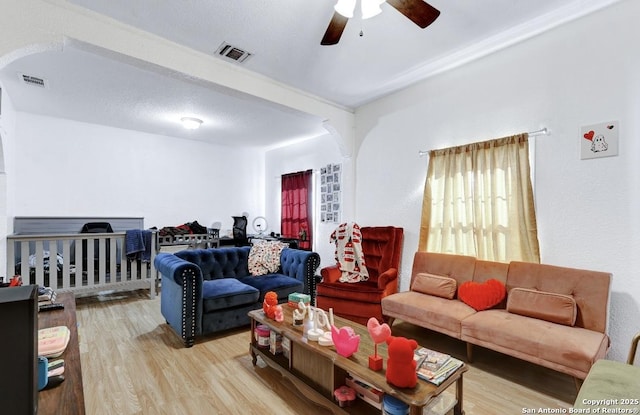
(68, 397)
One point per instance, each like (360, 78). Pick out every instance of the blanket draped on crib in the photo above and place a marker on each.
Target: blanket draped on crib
(349, 255)
(138, 244)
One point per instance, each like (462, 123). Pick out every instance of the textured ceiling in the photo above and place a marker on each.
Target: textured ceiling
(284, 38)
(86, 86)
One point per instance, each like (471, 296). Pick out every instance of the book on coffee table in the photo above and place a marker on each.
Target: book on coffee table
(52, 341)
(46, 295)
(434, 366)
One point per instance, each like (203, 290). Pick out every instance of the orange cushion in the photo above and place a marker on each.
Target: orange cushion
(366, 291)
(556, 308)
(482, 296)
(437, 285)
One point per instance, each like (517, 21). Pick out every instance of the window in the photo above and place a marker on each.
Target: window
(478, 201)
(296, 207)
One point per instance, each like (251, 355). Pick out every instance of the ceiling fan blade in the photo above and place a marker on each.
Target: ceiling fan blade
(334, 30)
(419, 12)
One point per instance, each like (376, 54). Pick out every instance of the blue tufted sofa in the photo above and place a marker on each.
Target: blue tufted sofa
(209, 290)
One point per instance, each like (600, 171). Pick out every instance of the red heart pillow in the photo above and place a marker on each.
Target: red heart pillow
(482, 296)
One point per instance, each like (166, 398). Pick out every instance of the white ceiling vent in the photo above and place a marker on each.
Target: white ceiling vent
(33, 80)
(233, 53)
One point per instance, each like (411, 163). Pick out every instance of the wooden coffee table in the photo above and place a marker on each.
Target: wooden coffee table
(316, 371)
(68, 397)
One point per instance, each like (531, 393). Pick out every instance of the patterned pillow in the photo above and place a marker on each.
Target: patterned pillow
(264, 257)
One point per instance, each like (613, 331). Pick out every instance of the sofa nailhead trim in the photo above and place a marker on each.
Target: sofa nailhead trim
(188, 333)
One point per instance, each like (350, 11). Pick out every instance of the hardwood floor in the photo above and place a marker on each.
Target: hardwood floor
(132, 363)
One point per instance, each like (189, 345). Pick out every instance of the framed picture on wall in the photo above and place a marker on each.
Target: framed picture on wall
(330, 188)
(599, 140)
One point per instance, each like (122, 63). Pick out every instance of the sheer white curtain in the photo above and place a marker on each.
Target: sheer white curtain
(478, 201)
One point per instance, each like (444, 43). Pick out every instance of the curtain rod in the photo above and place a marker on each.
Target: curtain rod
(314, 171)
(542, 131)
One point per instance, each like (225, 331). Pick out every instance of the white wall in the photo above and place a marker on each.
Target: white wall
(583, 73)
(68, 168)
(310, 154)
(7, 127)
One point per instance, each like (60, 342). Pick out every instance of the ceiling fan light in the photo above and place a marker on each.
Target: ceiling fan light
(370, 8)
(345, 7)
(191, 123)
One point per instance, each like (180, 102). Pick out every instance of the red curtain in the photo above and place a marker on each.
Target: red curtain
(296, 207)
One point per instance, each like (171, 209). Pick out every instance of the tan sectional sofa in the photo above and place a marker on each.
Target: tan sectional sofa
(552, 316)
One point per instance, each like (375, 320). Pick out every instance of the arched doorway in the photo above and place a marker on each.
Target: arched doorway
(3, 213)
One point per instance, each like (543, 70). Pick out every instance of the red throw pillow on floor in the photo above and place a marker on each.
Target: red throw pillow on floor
(482, 296)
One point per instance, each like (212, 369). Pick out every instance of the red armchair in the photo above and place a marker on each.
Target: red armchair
(382, 247)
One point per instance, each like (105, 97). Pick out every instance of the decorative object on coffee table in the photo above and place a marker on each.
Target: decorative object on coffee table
(344, 395)
(345, 339)
(326, 339)
(401, 367)
(296, 298)
(379, 334)
(320, 322)
(270, 305)
(300, 314)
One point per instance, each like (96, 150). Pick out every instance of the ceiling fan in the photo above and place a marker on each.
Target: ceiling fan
(419, 12)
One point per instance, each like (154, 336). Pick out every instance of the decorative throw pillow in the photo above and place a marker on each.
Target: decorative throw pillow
(482, 296)
(437, 285)
(264, 257)
(556, 308)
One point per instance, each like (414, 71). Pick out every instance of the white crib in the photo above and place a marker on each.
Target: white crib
(35, 256)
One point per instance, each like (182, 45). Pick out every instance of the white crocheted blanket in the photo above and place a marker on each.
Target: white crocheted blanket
(349, 255)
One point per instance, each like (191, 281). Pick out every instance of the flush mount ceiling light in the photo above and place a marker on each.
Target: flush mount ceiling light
(369, 8)
(191, 123)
